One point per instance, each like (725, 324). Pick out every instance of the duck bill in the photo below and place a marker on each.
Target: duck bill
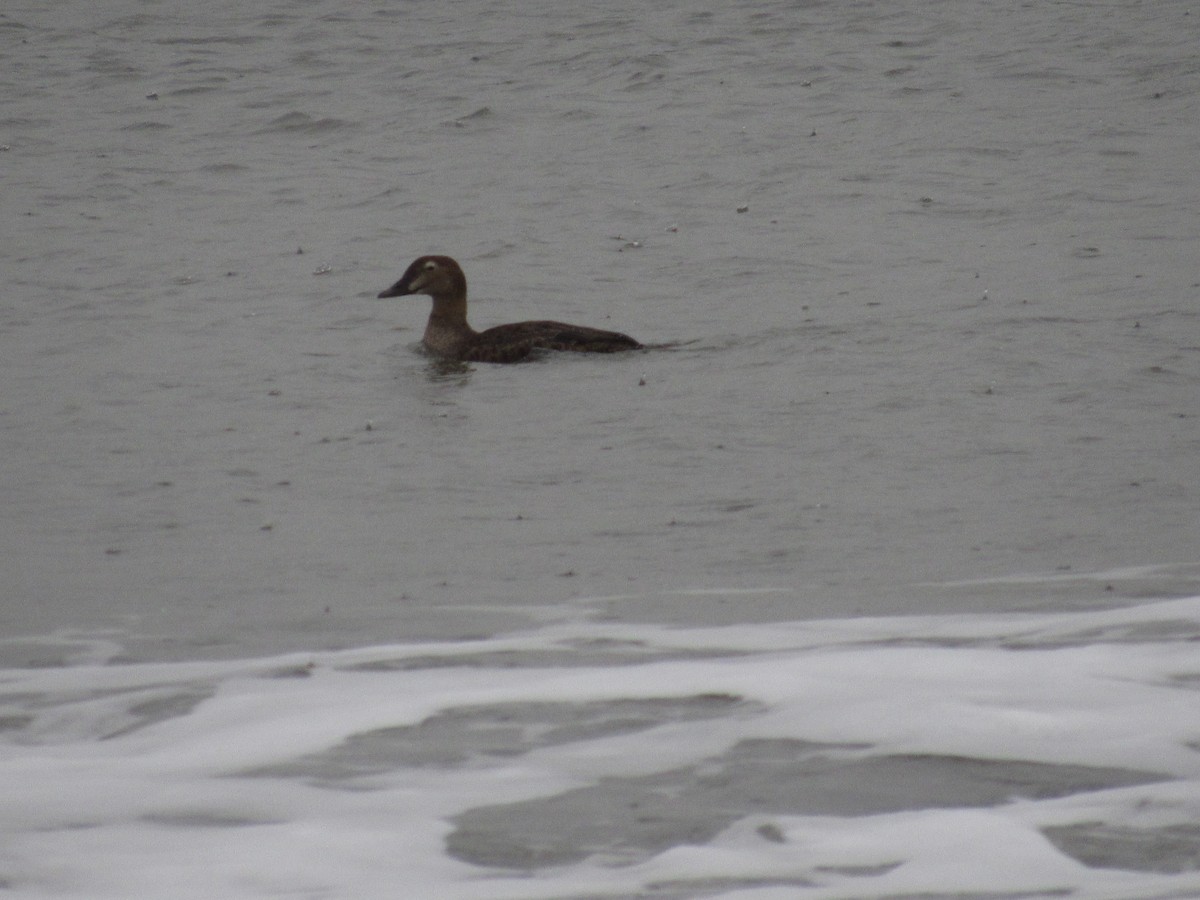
(399, 289)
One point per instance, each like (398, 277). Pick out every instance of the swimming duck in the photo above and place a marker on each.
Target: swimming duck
(448, 335)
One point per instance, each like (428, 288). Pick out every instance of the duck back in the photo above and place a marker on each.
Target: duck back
(546, 335)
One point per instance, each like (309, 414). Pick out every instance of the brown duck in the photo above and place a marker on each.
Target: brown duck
(448, 335)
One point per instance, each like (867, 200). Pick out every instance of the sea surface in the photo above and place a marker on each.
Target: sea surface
(876, 574)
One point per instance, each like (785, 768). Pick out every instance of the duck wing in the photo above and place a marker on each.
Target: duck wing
(508, 349)
(545, 335)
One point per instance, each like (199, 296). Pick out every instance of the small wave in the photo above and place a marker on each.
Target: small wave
(302, 123)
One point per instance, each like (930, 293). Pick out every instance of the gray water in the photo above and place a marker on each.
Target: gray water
(927, 274)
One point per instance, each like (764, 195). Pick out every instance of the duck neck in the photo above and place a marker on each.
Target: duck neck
(447, 331)
(450, 312)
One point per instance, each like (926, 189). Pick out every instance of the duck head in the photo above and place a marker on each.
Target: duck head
(436, 276)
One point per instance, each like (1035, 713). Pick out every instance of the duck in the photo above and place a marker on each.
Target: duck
(447, 334)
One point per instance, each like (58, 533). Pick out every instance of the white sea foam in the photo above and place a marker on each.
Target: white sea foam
(1014, 753)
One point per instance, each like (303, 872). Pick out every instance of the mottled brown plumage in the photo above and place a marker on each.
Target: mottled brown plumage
(448, 335)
